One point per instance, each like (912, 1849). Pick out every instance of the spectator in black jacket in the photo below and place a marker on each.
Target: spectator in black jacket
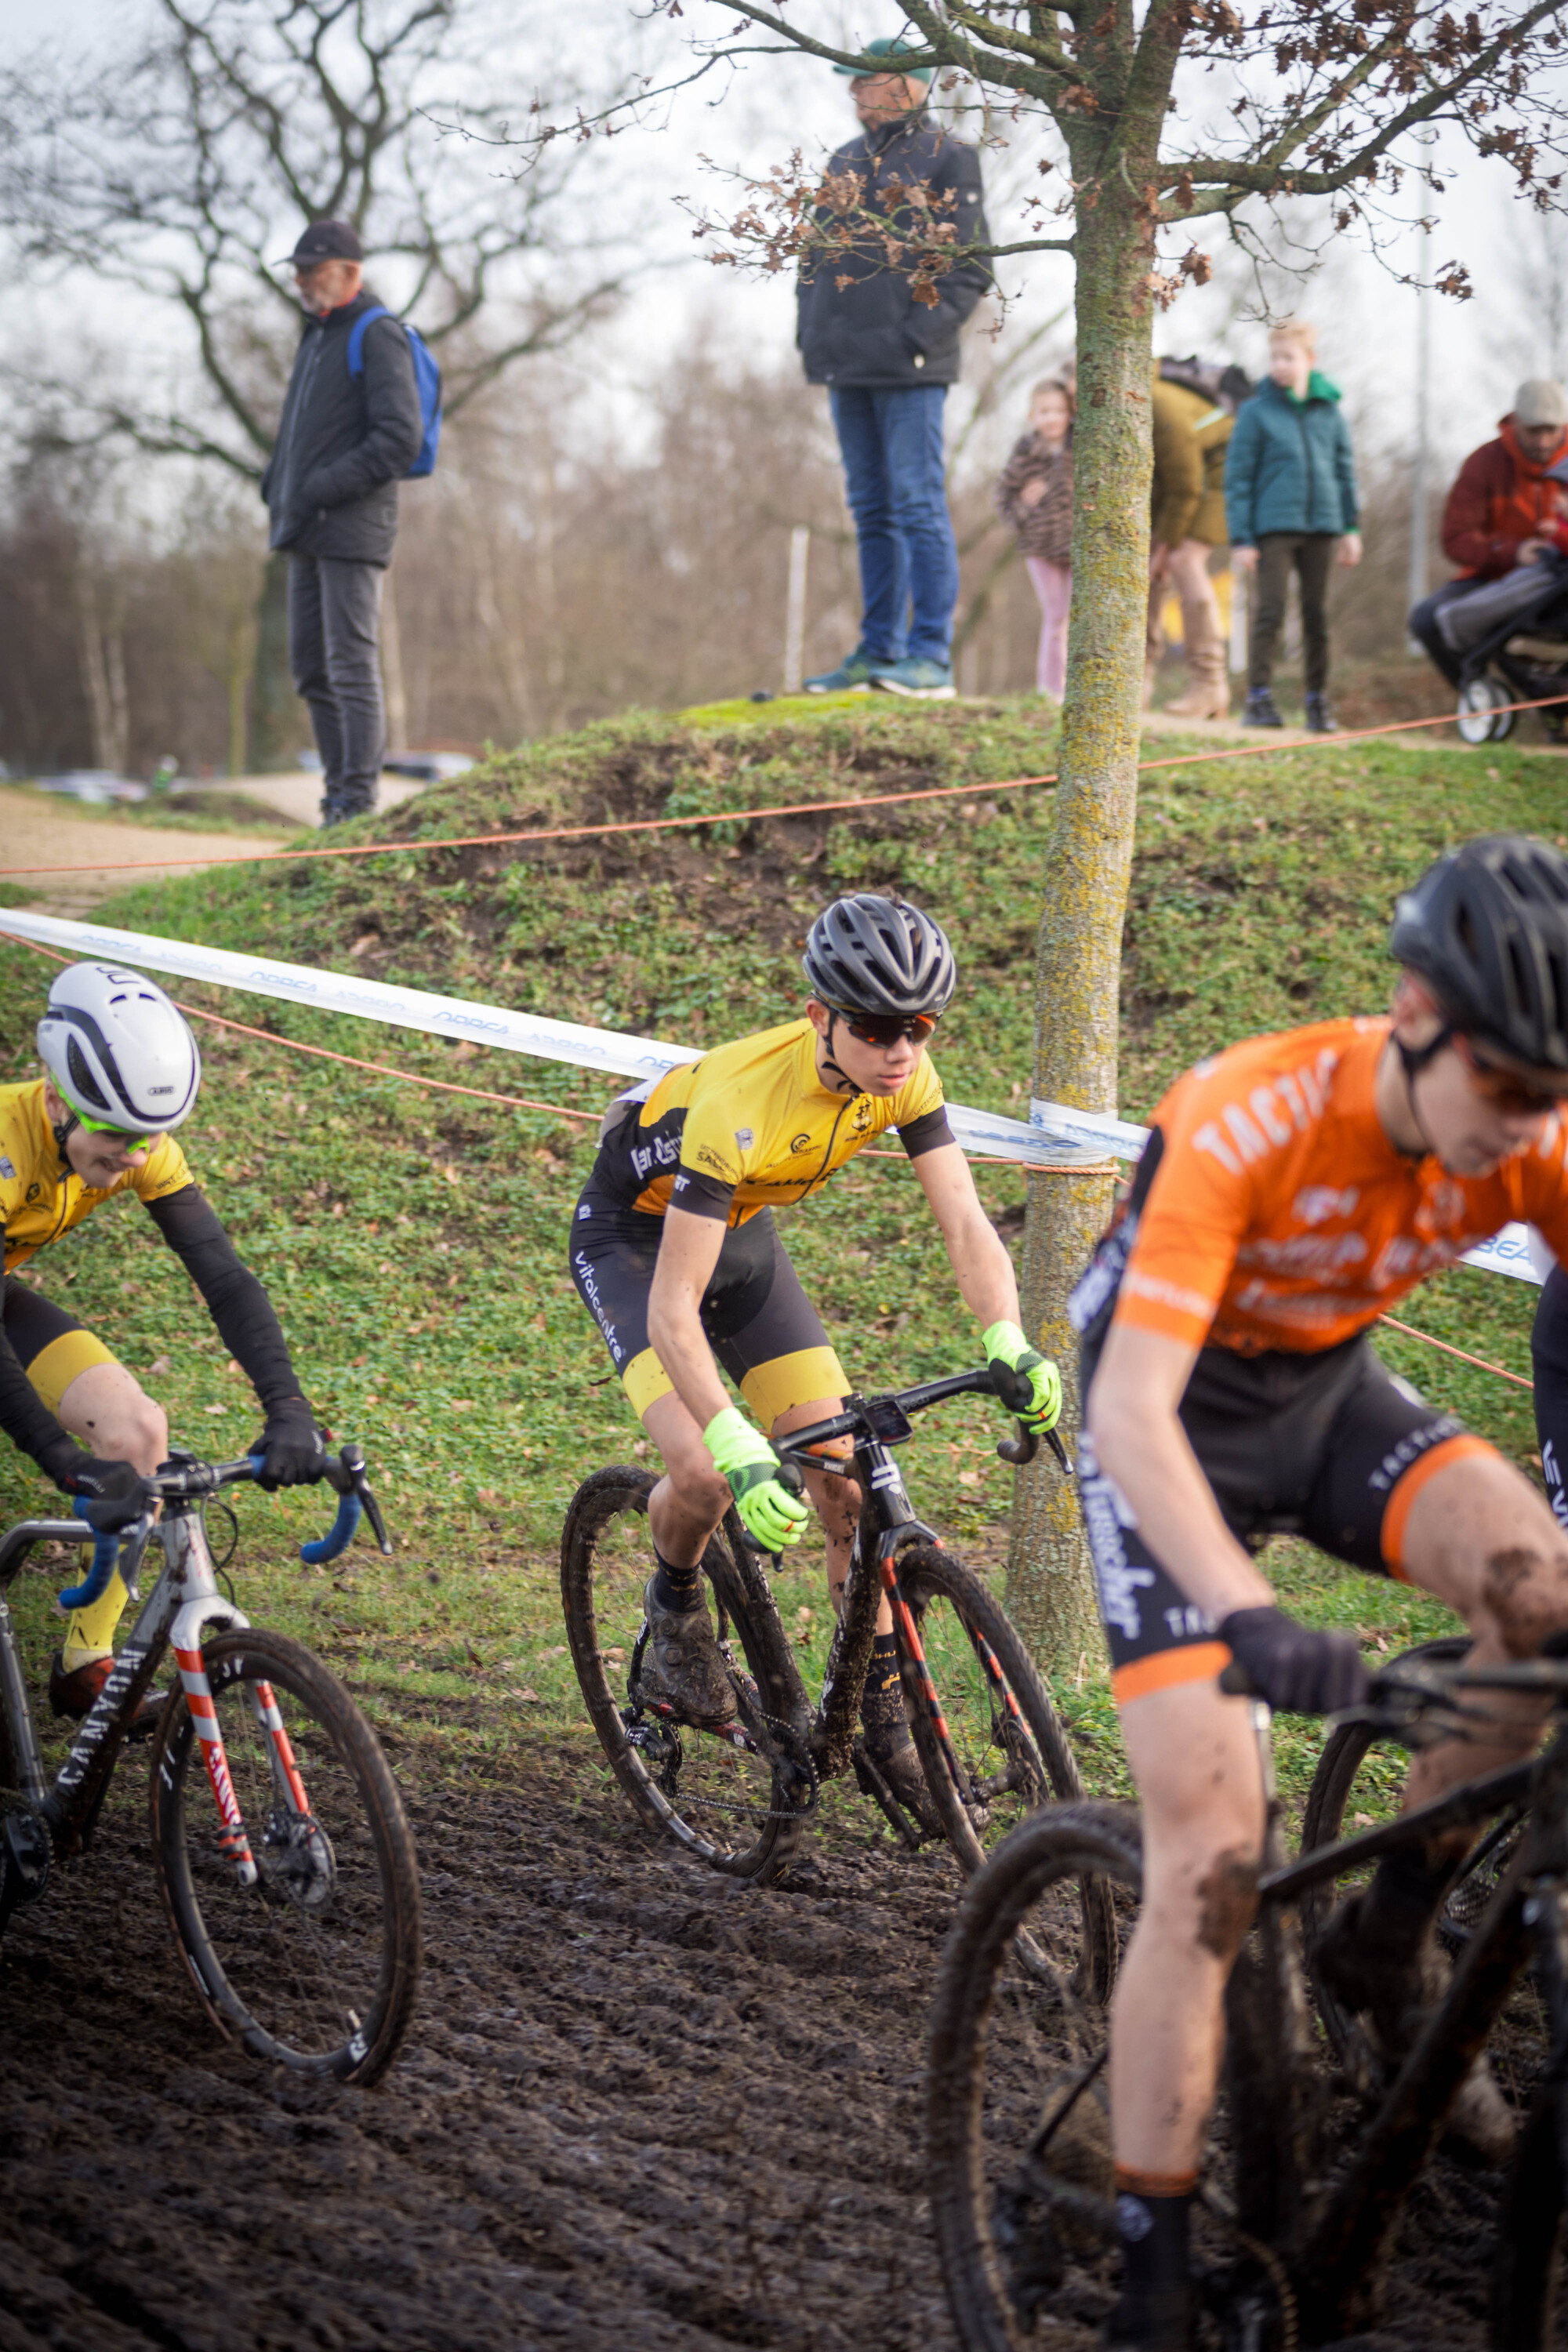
(331, 487)
(886, 361)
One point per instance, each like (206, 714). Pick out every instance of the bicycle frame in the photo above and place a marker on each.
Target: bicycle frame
(1333, 2244)
(177, 1614)
(887, 1523)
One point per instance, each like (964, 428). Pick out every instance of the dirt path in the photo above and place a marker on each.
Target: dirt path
(35, 830)
(642, 2106)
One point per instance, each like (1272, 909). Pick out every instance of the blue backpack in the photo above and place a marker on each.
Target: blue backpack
(427, 378)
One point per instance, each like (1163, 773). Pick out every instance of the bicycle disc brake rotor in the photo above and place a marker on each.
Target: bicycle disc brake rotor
(298, 1859)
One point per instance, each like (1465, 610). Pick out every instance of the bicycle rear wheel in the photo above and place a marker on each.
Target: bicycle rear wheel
(315, 1964)
(738, 1798)
(1018, 2145)
(1012, 1752)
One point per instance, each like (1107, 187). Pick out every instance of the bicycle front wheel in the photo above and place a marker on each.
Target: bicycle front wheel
(314, 1963)
(987, 1715)
(1018, 2143)
(738, 1798)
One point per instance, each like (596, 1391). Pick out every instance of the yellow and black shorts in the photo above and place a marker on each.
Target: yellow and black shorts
(762, 1327)
(51, 1346)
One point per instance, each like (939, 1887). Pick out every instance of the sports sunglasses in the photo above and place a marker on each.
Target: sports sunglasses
(889, 1029)
(1509, 1089)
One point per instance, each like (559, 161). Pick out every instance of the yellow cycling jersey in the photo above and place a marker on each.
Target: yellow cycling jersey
(39, 1198)
(751, 1126)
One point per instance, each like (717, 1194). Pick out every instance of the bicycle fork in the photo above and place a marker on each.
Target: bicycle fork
(233, 1838)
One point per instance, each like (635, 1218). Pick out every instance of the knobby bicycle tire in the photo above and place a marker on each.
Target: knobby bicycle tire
(1010, 1764)
(1018, 2159)
(736, 1811)
(316, 1966)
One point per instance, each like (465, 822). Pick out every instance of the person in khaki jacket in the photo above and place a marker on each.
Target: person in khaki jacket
(1187, 522)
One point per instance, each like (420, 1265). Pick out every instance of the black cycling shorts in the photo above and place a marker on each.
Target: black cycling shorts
(762, 1327)
(51, 1346)
(1328, 1446)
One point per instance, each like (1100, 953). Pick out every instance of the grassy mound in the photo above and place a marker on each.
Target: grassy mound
(416, 1242)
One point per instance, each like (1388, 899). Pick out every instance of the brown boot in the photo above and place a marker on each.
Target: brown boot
(1202, 699)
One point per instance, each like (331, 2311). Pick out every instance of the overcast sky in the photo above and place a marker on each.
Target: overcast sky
(752, 118)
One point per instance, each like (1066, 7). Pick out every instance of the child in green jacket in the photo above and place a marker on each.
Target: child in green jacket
(1290, 501)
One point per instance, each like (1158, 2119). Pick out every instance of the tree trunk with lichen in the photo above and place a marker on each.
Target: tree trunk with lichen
(1051, 1586)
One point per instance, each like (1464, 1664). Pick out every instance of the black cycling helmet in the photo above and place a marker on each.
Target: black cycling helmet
(1488, 927)
(867, 954)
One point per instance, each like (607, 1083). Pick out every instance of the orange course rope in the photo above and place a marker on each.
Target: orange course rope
(1480, 1362)
(731, 816)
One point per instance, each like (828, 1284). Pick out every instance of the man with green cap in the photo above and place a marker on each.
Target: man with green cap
(887, 359)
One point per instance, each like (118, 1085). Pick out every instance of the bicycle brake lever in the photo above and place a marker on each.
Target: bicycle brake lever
(373, 1513)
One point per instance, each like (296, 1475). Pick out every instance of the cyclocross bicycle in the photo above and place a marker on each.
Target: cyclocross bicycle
(286, 1860)
(1018, 2142)
(990, 1743)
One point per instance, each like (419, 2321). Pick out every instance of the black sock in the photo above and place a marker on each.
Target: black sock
(1151, 2212)
(676, 1587)
(882, 1704)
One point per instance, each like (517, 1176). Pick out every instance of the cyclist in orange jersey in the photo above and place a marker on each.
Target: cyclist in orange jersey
(1293, 1188)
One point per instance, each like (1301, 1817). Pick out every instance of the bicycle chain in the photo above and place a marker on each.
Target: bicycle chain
(788, 1739)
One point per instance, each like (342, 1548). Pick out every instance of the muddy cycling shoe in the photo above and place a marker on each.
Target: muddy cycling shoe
(893, 1755)
(73, 1694)
(683, 1654)
(1394, 1995)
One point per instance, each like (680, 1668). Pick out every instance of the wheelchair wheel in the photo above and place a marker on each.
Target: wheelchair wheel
(1481, 717)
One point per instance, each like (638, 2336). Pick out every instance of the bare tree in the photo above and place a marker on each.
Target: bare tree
(1146, 123)
(183, 169)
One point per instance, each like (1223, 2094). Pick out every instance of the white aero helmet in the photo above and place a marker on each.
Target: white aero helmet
(119, 1051)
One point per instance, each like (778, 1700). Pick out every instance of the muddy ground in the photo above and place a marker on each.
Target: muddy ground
(642, 2108)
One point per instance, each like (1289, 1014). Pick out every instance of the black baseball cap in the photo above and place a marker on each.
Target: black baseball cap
(328, 241)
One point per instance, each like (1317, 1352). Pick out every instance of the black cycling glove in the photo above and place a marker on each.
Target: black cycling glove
(1297, 1671)
(291, 1447)
(116, 1494)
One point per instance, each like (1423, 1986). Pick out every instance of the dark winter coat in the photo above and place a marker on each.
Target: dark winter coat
(1288, 465)
(870, 330)
(331, 484)
(1046, 528)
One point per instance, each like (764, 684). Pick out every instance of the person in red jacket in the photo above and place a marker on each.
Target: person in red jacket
(1503, 509)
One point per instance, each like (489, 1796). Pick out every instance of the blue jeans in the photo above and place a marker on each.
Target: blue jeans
(891, 446)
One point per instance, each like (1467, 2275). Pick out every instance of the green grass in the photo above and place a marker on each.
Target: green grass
(414, 1243)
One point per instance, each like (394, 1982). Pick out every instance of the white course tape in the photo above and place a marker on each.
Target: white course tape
(613, 1051)
(1509, 1252)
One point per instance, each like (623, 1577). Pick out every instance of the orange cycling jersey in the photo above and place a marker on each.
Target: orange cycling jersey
(1271, 1211)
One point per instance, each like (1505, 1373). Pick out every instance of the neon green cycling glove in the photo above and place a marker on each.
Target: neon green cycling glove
(768, 1511)
(1005, 1344)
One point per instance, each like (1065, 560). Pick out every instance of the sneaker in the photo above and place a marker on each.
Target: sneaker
(929, 681)
(73, 1694)
(896, 1761)
(1260, 710)
(1394, 1996)
(853, 676)
(1321, 719)
(683, 1651)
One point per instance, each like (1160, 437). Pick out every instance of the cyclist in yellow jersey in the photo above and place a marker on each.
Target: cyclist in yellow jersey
(675, 1254)
(121, 1072)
